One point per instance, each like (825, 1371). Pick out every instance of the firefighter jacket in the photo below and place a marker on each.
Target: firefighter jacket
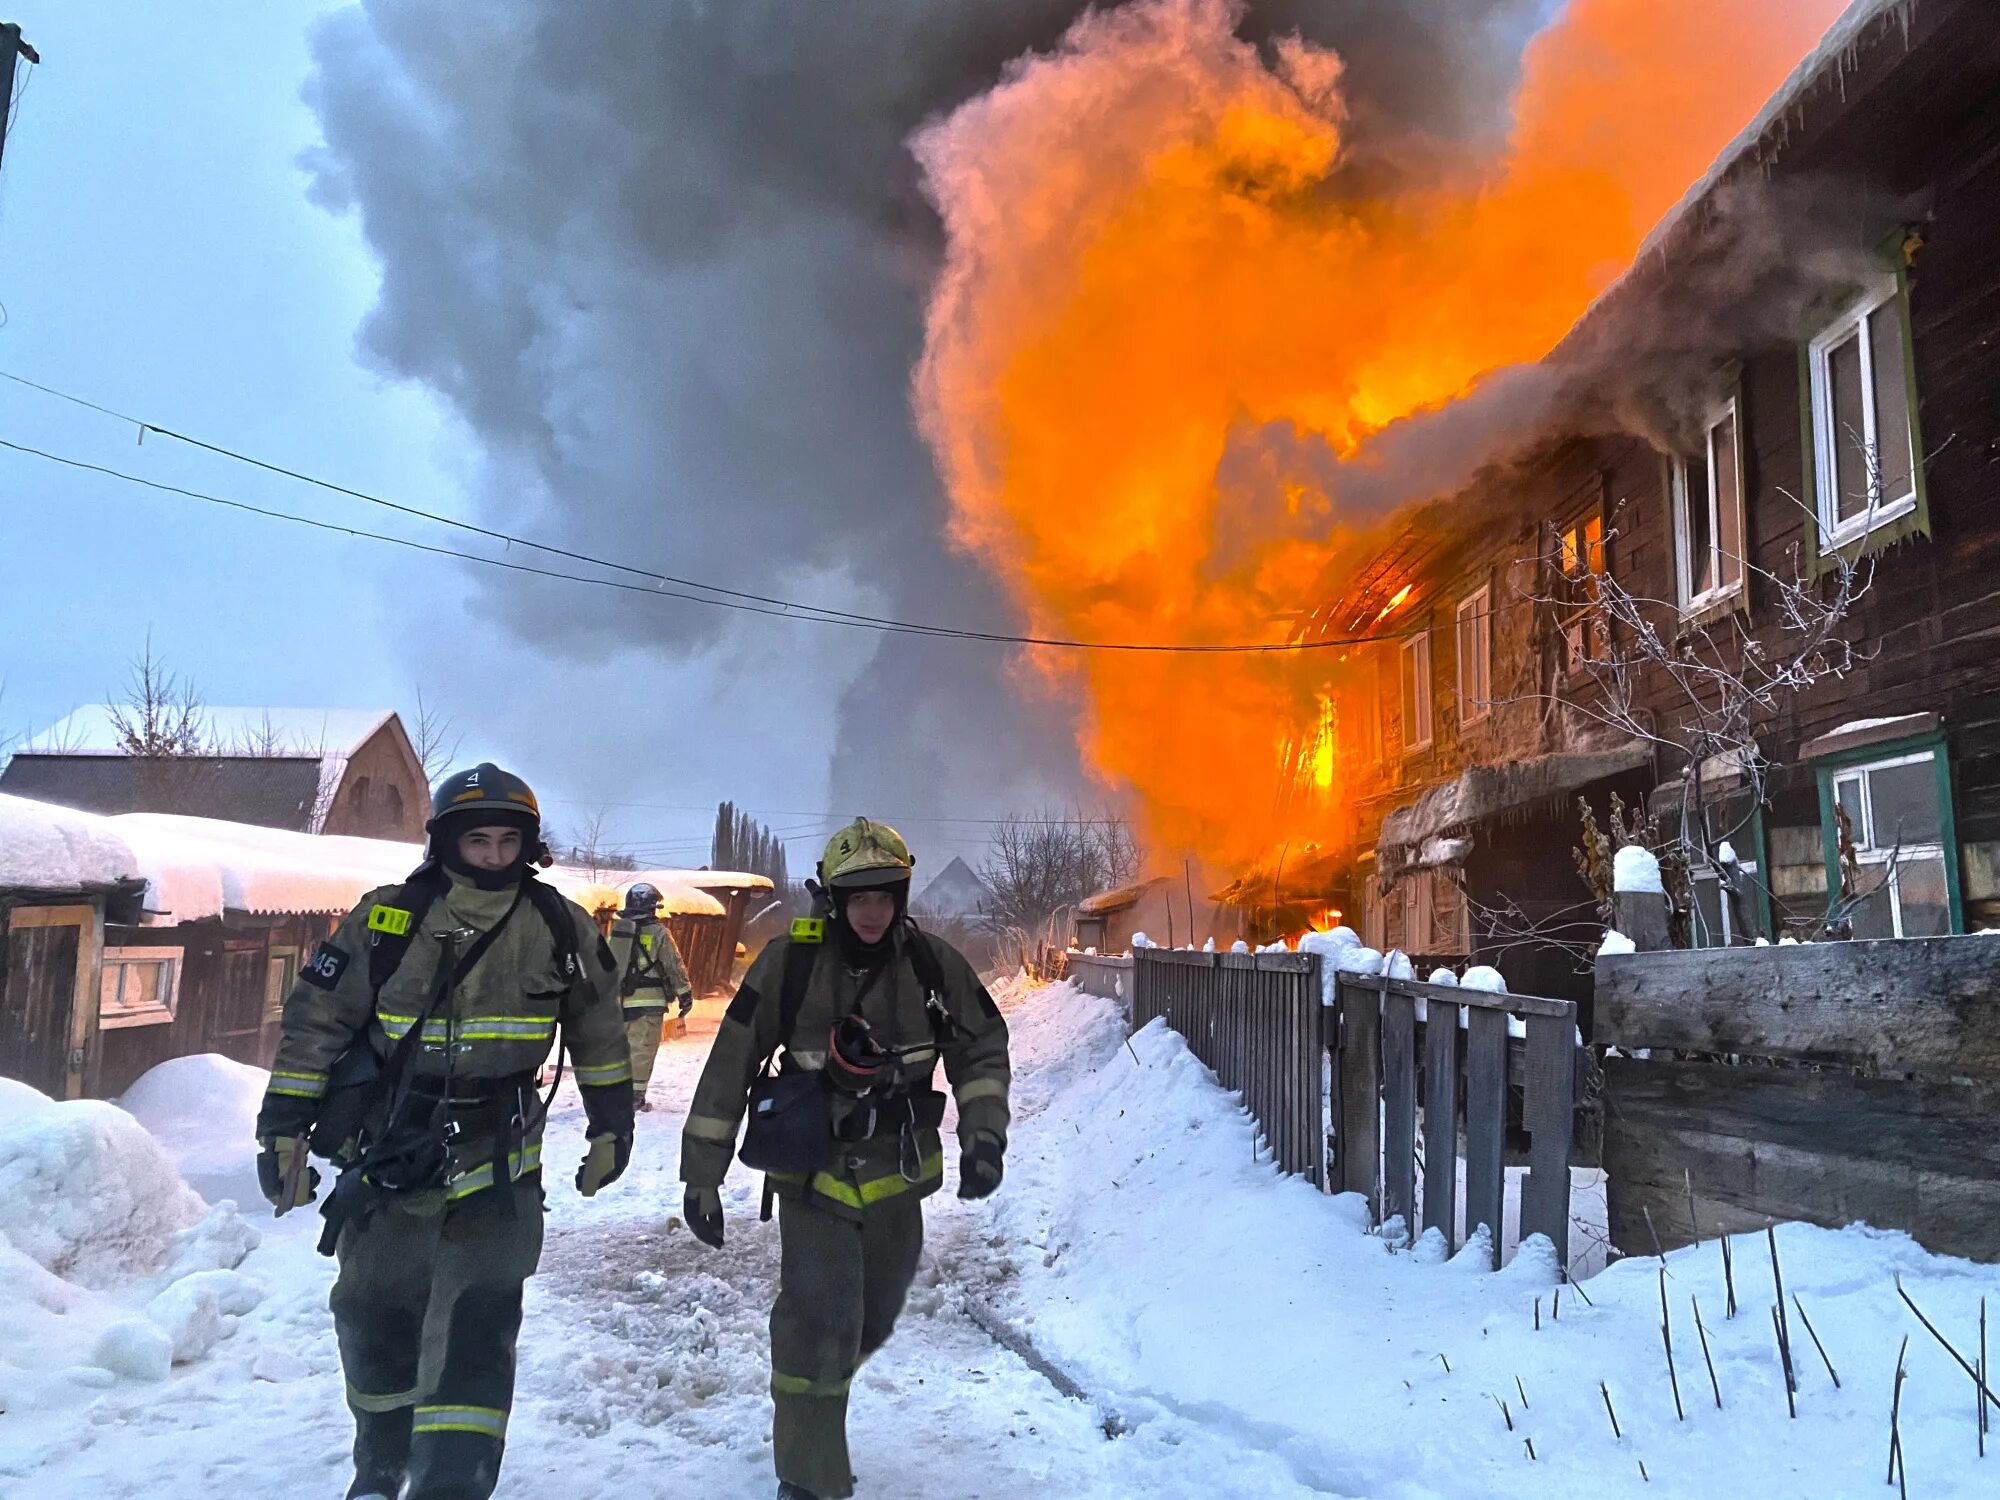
(650, 972)
(971, 1041)
(496, 1026)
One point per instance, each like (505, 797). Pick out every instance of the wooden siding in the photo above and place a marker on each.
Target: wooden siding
(48, 993)
(222, 1001)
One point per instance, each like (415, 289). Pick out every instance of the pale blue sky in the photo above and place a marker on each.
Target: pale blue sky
(158, 254)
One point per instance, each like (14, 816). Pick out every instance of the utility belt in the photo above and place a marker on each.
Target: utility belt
(878, 1114)
(413, 1150)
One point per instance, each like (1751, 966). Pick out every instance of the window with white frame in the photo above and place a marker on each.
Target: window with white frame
(1708, 514)
(1475, 657)
(140, 987)
(1890, 830)
(1864, 441)
(1417, 691)
(1581, 562)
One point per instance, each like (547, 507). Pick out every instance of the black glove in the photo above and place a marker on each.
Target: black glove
(687, 1004)
(979, 1168)
(703, 1211)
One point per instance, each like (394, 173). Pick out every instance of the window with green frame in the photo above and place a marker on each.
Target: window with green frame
(1891, 845)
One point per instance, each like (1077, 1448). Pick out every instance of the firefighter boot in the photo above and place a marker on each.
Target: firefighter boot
(789, 1491)
(381, 1452)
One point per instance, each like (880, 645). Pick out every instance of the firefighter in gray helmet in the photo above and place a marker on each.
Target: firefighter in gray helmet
(650, 977)
(408, 1060)
(863, 1006)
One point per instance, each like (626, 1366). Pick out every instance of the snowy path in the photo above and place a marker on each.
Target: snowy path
(643, 1372)
(1255, 1337)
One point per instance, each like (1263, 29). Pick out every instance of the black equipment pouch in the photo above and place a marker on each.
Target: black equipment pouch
(350, 1090)
(790, 1124)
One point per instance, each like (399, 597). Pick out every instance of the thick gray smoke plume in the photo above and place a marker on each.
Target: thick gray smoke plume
(668, 260)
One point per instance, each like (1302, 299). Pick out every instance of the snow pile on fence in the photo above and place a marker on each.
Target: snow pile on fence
(1143, 1246)
(109, 1265)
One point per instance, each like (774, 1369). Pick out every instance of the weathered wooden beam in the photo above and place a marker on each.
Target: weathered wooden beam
(1441, 1121)
(1399, 1110)
(1550, 1115)
(1485, 1123)
(1359, 1079)
(1520, 1005)
(1774, 1143)
(1928, 1006)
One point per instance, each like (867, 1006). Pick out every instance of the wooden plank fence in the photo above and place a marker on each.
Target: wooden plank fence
(1106, 975)
(1383, 1073)
(1257, 1020)
(1827, 1082)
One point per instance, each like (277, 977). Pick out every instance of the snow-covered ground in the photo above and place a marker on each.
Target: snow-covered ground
(1251, 1335)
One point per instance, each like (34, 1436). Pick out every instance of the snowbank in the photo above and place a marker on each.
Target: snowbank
(87, 1193)
(109, 1265)
(202, 1111)
(1144, 1247)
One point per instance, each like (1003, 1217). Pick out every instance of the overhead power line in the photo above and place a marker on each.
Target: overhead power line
(659, 584)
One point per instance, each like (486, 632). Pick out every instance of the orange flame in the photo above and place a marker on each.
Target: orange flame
(1152, 249)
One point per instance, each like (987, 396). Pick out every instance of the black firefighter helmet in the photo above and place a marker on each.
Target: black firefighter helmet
(483, 797)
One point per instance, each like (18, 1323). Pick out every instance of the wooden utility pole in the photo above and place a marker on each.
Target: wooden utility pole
(12, 48)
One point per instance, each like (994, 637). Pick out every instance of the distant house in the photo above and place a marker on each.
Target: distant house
(1164, 911)
(309, 770)
(953, 892)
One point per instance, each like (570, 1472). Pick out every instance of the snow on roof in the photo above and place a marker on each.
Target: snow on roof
(723, 880)
(283, 733)
(48, 848)
(202, 867)
(678, 897)
(1832, 58)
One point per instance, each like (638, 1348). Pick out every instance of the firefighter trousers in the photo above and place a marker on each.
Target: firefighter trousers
(841, 1285)
(427, 1307)
(642, 1036)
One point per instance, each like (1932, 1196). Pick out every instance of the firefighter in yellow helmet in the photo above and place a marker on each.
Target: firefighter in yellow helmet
(832, 1043)
(408, 1060)
(650, 976)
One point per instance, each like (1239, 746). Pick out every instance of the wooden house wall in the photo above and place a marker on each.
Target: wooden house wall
(382, 792)
(1927, 629)
(221, 1005)
(48, 990)
(704, 952)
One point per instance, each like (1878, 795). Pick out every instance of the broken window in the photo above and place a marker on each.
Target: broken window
(1581, 561)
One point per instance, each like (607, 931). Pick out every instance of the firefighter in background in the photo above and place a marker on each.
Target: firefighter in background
(650, 974)
(864, 1006)
(408, 1058)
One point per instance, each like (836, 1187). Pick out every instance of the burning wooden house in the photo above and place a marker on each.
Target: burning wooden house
(1742, 579)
